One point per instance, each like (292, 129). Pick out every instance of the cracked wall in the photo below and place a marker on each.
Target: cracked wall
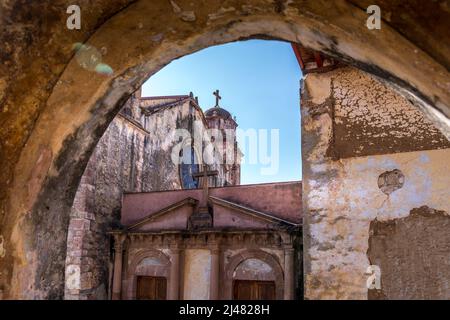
(342, 163)
(361, 129)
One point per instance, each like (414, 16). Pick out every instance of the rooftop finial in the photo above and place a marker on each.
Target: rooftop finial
(218, 97)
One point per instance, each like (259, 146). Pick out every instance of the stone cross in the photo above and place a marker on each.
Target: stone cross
(205, 174)
(218, 97)
(202, 219)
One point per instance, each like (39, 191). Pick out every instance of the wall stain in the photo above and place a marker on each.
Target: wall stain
(414, 264)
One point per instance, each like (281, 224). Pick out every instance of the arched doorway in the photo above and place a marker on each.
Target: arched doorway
(253, 280)
(254, 275)
(148, 276)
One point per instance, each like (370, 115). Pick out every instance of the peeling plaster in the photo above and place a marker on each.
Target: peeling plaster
(395, 125)
(411, 254)
(342, 198)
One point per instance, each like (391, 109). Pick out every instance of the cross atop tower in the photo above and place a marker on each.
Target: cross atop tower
(218, 97)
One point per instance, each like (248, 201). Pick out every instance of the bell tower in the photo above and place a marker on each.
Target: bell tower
(219, 118)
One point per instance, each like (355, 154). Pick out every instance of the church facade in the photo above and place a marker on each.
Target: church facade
(251, 250)
(164, 181)
(153, 144)
(211, 239)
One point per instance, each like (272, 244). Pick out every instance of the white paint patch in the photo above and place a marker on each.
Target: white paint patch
(318, 86)
(73, 276)
(249, 266)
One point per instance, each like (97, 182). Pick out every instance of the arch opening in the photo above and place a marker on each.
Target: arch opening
(60, 143)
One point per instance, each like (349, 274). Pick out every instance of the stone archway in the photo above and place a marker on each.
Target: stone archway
(162, 270)
(56, 123)
(236, 260)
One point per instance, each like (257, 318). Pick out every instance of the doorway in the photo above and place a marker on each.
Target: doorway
(151, 288)
(253, 290)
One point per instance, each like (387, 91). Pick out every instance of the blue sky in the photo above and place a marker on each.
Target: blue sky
(259, 84)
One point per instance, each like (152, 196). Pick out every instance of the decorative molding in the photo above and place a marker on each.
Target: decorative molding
(119, 240)
(210, 238)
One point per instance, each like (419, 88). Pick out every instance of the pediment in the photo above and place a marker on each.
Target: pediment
(172, 217)
(226, 215)
(229, 214)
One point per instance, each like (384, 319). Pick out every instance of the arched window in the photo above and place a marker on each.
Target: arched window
(189, 165)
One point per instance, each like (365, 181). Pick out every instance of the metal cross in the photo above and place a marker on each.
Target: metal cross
(218, 97)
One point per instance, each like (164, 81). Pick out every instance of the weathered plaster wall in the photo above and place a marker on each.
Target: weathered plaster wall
(342, 209)
(163, 137)
(370, 118)
(341, 195)
(197, 268)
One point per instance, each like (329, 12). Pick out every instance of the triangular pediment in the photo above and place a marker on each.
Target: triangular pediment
(172, 216)
(228, 214)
